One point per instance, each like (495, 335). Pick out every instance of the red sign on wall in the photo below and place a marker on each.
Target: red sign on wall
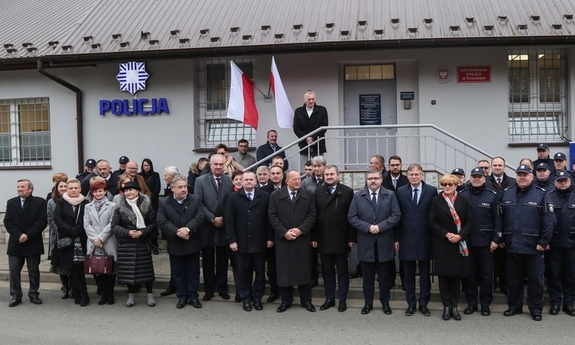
(473, 74)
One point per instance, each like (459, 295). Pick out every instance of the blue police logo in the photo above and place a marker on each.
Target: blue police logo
(132, 76)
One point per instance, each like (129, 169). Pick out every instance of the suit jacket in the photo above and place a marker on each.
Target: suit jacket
(507, 182)
(266, 150)
(311, 183)
(413, 233)
(247, 222)
(172, 216)
(30, 220)
(361, 216)
(293, 257)
(332, 230)
(388, 183)
(269, 188)
(304, 124)
(212, 199)
(99, 224)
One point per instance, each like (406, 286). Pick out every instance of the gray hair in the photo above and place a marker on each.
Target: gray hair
(30, 184)
(177, 178)
(172, 170)
(217, 155)
(262, 168)
(318, 160)
(415, 166)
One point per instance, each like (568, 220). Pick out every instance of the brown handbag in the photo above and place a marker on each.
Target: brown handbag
(98, 263)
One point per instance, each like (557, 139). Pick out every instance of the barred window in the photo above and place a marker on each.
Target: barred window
(25, 132)
(537, 95)
(215, 127)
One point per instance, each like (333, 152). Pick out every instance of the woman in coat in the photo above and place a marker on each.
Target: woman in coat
(450, 225)
(69, 218)
(98, 225)
(134, 222)
(152, 179)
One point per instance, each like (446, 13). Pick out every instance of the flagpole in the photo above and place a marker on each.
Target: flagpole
(263, 94)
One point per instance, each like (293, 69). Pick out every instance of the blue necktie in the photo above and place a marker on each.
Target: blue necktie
(249, 196)
(415, 197)
(374, 203)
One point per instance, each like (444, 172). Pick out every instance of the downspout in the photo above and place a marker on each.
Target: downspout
(79, 112)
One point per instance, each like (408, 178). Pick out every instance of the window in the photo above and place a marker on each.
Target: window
(215, 127)
(370, 72)
(25, 132)
(537, 95)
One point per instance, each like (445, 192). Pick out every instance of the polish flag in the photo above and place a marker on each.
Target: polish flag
(242, 104)
(284, 111)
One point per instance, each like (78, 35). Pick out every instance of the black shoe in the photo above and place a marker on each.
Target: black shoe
(511, 312)
(554, 310)
(14, 302)
(366, 309)
(446, 313)
(258, 305)
(470, 309)
(35, 300)
(84, 298)
(355, 274)
(65, 292)
(536, 317)
(568, 309)
(283, 307)
(247, 306)
(342, 306)
(208, 297)
(237, 299)
(387, 309)
(410, 310)
(455, 314)
(225, 295)
(169, 291)
(485, 311)
(195, 303)
(104, 299)
(272, 298)
(327, 304)
(423, 309)
(181, 303)
(308, 306)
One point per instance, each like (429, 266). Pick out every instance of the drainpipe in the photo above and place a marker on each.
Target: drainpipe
(79, 112)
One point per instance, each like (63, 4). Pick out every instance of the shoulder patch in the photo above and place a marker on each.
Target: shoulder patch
(550, 207)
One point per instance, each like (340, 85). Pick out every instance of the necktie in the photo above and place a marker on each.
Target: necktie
(415, 197)
(219, 182)
(499, 182)
(249, 196)
(22, 202)
(395, 183)
(374, 202)
(331, 189)
(274, 148)
(318, 182)
(292, 196)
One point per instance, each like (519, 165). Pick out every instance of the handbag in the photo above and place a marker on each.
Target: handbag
(64, 242)
(98, 263)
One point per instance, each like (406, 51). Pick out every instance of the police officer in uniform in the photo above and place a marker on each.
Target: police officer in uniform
(482, 242)
(527, 226)
(561, 276)
(543, 177)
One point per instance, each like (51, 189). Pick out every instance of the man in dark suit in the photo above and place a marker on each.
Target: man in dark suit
(413, 237)
(212, 188)
(292, 215)
(169, 174)
(374, 212)
(104, 170)
(308, 118)
(270, 147)
(333, 236)
(180, 217)
(249, 234)
(25, 219)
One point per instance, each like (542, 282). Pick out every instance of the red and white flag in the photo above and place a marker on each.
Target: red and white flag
(242, 104)
(284, 111)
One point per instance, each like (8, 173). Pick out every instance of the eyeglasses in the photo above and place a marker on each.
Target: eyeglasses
(485, 168)
(373, 178)
(447, 184)
(394, 165)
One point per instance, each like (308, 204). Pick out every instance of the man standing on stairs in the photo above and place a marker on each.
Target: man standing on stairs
(308, 118)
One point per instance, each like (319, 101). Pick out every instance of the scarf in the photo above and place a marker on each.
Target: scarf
(73, 201)
(140, 223)
(463, 250)
(99, 203)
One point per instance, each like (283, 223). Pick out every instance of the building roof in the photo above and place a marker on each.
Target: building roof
(87, 31)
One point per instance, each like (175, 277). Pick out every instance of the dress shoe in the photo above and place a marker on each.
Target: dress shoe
(342, 306)
(327, 304)
(446, 313)
(247, 306)
(181, 303)
(568, 309)
(511, 312)
(423, 309)
(366, 309)
(225, 295)
(387, 309)
(410, 310)
(308, 306)
(195, 303)
(258, 305)
(485, 311)
(237, 299)
(35, 300)
(283, 307)
(14, 302)
(554, 310)
(169, 291)
(470, 309)
(272, 298)
(355, 274)
(208, 297)
(455, 314)
(536, 316)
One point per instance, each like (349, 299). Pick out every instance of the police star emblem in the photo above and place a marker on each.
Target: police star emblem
(132, 77)
(550, 207)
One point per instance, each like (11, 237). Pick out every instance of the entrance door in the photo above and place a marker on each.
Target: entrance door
(359, 96)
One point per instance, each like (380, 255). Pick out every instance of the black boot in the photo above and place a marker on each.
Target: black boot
(102, 283)
(65, 286)
(84, 298)
(446, 313)
(111, 284)
(77, 297)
